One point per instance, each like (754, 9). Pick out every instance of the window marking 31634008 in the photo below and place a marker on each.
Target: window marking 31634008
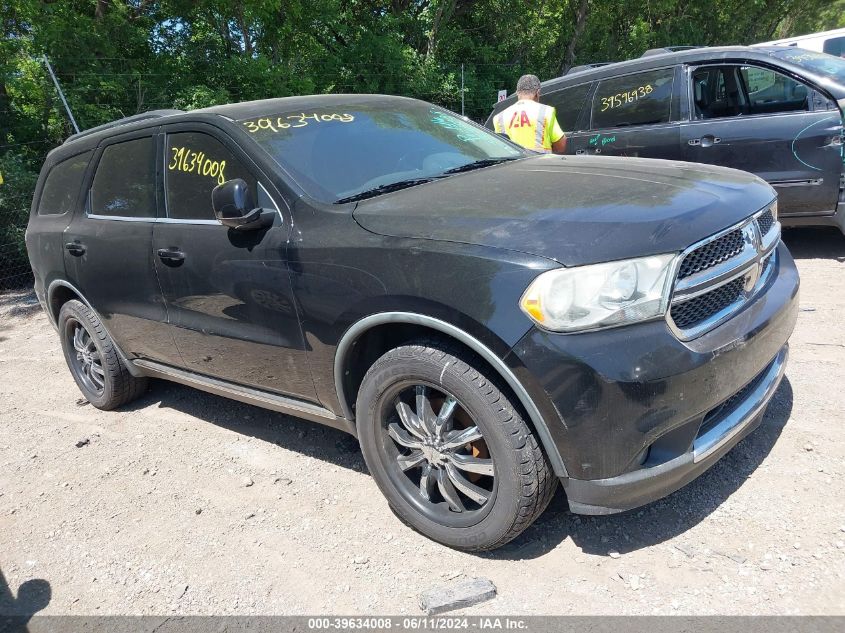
(191, 162)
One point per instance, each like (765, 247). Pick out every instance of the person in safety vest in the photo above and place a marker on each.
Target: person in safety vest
(529, 122)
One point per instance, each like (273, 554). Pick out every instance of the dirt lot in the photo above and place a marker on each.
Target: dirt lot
(188, 503)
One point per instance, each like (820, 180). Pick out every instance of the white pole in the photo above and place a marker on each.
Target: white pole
(61, 94)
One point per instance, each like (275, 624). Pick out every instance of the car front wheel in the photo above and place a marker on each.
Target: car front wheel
(448, 449)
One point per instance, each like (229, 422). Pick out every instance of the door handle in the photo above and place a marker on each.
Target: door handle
(579, 152)
(704, 141)
(171, 254)
(76, 249)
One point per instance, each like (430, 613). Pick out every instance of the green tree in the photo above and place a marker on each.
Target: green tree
(118, 57)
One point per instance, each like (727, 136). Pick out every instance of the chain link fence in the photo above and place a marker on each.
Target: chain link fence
(15, 200)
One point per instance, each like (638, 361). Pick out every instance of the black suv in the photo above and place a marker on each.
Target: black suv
(485, 320)
(773, 111)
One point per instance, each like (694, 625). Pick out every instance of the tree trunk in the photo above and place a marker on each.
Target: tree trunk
(441, 17)
(580, 25)
(101, 8)
(226, 34)
(242, 25)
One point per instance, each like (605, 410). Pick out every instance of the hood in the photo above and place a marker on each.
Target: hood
(572, 209)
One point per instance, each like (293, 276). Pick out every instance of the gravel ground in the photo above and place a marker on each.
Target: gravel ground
(188, 503)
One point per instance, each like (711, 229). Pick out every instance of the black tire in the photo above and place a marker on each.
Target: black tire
(93, 360)
(521, 483)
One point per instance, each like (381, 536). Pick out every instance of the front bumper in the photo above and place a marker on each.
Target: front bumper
(636, 413)
(636, 488)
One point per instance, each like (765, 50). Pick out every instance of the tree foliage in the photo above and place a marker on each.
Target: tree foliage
(119, 57)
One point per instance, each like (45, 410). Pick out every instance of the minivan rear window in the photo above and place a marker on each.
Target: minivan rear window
(639, 99)
(62, 185)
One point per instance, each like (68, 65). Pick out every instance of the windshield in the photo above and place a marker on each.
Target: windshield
(342, 150)
(820, 63)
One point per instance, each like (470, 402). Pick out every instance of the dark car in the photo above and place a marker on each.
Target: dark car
(486, 321)
(773, 111)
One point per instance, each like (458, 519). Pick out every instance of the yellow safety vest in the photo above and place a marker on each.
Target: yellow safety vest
(530, 124)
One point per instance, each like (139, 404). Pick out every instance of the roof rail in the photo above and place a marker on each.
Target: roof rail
(667, 49)
(152, 114)
(583, 67)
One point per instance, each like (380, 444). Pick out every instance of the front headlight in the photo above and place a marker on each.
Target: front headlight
(600, 295)
(774, 210)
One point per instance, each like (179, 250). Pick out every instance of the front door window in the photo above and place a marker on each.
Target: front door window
(729, 91)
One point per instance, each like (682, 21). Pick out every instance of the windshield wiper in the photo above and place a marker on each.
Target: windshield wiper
(484, 162)
(376, 191)
(403, 184)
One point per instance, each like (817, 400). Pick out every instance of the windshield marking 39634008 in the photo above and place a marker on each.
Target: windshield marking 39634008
(293, 121)
(363, 149)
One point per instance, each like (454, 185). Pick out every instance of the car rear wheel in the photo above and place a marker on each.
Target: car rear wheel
(93, 360)
(448, 449)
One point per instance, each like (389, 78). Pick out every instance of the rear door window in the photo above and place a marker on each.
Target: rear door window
(124, 185)
(62, 185)
(195, 164)
(639, 99)
(568, 104)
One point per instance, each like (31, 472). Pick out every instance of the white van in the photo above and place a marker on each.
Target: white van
(830, 42)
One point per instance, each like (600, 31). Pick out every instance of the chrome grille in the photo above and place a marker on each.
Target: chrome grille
(766, 221)
(721, 274)
(712, 254)
(690, 313)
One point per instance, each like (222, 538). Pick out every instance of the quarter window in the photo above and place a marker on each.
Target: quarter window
(568, 104)
(124, 185)
(62, 185)
(640, 99)
(195, 164)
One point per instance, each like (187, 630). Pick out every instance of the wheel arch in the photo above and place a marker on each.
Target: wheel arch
(60, 292)
(409, 323)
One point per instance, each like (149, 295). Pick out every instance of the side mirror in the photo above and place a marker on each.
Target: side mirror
(233, 207)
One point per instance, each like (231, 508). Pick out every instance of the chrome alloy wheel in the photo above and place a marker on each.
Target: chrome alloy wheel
(86, 361)
(441, 460)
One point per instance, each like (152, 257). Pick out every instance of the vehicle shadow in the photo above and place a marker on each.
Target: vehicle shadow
(815, 243)
(644, 527)
(16, 611)
(664, 519)
(292, 433)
